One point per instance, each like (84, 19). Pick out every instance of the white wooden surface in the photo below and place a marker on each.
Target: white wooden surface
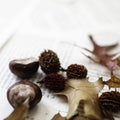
(73, 16)
(60, 17)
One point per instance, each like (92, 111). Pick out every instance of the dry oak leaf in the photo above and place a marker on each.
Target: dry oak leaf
(58, 117)
(118, 61)
(102, 56)
(20, 112)
(83, 91)
(113, 82)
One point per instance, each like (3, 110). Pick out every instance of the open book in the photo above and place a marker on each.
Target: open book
(32, 45)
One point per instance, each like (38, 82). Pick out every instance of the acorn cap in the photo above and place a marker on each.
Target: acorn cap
(76, 71)
(49, 62)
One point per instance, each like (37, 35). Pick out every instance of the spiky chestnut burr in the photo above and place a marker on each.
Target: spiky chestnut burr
(110, 101)
(23, 90)
(76, 71)
(55, 82)
(49, 62)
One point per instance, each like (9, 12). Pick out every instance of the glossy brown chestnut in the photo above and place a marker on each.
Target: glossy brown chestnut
(24, 68)
(22, 90)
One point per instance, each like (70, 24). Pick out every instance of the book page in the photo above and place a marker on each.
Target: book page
(69, 51)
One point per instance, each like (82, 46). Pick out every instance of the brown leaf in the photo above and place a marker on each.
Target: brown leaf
(20, 112)
(113, 82)
(58, 117)
(100, 50)
(118, 61)
(79, 112)
(102, 56)
(83, 91)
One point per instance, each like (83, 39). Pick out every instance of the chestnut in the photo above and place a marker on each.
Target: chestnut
(23, 90)
(24, 68)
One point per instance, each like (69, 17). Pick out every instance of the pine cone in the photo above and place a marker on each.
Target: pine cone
(49, 62)
(76, 71)
(110, 101)
(54, 82)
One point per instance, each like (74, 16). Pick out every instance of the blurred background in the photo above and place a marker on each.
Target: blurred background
(59, 17)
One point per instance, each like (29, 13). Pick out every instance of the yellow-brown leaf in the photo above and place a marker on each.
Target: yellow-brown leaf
(83, 90)
(20, 112)
(58, 117)
(113, 82)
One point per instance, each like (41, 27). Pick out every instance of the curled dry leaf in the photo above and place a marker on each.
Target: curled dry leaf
(100, 50)
(118, 61)
(20, 112)
(82, 92)
(102, 56)
(113, 82)
(58, 117)
(80, 112)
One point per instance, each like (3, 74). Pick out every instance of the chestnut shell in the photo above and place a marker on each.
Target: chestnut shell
(24, 70)
(38, 93)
